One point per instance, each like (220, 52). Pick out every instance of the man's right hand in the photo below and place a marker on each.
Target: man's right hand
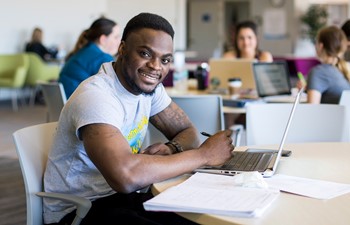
(218, 148)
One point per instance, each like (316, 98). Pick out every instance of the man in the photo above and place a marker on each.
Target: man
(96, 152)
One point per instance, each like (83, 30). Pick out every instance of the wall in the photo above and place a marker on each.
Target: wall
(173, 10)
(63, 20)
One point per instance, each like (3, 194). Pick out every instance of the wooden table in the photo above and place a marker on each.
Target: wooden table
(324, 161)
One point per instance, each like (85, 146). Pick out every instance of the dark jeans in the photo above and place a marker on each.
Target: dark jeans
(125, 209)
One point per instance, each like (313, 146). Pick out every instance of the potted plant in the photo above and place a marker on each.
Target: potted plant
(315, 18)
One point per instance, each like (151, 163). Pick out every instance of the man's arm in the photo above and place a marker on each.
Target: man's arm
(126, 172)
(176, 126)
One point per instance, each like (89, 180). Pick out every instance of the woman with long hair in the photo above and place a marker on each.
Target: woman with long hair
(326, 81)
(95, 46)
(245, 44)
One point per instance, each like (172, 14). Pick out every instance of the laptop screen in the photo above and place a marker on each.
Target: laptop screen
(271, 78)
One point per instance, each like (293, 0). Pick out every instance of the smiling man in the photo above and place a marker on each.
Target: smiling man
(97, 149)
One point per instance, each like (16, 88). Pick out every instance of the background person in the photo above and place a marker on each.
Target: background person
(95, 46)
(97, 149)
(35, 45)
(327, 80)
(245, 44)
(346, 28)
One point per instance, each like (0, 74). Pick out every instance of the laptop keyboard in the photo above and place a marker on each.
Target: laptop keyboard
(244, 161)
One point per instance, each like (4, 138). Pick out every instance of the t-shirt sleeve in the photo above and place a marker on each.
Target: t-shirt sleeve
(108, 111)
(317, 80)
(160, 101)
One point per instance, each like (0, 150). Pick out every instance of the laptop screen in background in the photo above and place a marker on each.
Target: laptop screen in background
(271, 78)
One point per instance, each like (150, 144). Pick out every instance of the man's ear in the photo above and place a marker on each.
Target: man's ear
(121, 48)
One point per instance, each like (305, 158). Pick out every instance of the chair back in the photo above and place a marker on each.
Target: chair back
(54, 97)
(205, 112)
(32, 146)
(40, 70)
(13, 70)
(311, 123)
(345, 98)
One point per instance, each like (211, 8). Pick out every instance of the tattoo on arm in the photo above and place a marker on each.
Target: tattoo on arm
(171, 120)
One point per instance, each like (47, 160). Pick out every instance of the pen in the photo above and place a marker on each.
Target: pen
(301, 78)
(205, 134)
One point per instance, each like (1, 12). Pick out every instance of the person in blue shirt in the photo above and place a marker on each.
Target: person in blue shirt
(326, 81)
(96, 45)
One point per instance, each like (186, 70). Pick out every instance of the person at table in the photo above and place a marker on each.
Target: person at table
(326, 81)
(97, 149)
(100, 45)
(36, 45)
(346, 28)
(245, 44)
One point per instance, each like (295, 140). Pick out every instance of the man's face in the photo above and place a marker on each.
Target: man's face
(145, 58)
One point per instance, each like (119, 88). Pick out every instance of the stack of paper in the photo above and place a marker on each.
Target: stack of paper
(213, 194)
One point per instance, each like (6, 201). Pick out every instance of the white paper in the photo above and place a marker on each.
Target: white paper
(214, 194)
(307, 187)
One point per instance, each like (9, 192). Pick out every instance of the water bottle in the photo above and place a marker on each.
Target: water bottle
(201, 74)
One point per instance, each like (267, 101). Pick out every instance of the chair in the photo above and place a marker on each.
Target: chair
(39, 71)
(205, 112)
(32, 146)
(54, 97)
(13, 72)
(345, 98)
(311, 123)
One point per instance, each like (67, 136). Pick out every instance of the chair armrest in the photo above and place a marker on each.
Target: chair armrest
(83, 204)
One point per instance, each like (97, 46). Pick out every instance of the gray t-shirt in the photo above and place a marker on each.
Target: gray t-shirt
(99, 99)
(329, 81)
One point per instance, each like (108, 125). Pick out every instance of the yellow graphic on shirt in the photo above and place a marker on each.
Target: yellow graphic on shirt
(135, 134)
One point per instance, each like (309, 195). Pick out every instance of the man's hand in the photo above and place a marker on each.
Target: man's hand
(218, 148)
(157, 149)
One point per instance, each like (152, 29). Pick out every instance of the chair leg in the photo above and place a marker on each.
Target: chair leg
(34, 90)
(14, 100)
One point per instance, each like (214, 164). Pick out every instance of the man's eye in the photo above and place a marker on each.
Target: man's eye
(145, 54)
(166, 61)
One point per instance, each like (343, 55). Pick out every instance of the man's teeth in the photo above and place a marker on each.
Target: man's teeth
(149, 77)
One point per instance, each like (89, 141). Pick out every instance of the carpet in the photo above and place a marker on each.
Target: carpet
(12, 193)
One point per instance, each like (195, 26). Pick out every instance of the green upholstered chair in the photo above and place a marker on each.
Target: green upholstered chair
(13, 72)
(39, 71)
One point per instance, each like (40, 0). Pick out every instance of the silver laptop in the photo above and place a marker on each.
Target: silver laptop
(272, 81)
(264, 161)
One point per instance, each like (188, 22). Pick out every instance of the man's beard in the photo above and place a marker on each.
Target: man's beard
(134, 86)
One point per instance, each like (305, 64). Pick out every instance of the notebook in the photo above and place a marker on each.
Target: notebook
(223, 69)
(272, 81)
(264, 161)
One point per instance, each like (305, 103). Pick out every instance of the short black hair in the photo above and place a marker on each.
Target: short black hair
(148, 20)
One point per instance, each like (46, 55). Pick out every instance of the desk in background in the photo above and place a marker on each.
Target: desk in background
(229, 110)
(324, 161)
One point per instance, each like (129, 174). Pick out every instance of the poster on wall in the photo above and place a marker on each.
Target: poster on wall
(274, 24)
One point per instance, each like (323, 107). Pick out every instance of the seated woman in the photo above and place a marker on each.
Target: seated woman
(327, 80)
(95, 46)
(246, 44)
(35, 45)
